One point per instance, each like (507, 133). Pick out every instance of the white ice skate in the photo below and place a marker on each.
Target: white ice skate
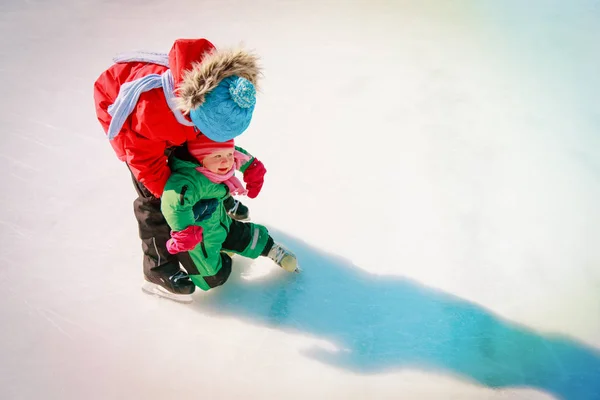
(284, 258)
(157, 290)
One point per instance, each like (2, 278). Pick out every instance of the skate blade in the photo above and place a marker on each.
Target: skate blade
(156, 290)
(297, 270)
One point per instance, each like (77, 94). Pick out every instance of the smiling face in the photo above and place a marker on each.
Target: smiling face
(219, 162)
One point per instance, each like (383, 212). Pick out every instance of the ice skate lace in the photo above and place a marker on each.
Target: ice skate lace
(234, 209)
(178, 276)
(279, 254)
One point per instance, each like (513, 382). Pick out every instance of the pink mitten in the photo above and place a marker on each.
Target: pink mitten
(184, 240)
(254, 176)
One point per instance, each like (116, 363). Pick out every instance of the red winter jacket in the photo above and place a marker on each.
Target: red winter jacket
(152, 127)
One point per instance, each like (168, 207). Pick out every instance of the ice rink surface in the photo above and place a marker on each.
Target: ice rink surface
(434, 165)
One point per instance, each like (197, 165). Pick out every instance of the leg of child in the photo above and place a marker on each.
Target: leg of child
(253, 240)
(160, 267)
(248, 239)
(207, 267)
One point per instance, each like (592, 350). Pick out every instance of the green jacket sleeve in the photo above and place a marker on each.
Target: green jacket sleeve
(178, 199)
(246, 164)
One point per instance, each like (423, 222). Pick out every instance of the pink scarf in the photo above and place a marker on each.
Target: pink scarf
(233, 183)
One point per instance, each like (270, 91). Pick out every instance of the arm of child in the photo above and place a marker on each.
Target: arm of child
(177, 205)
(148, 163)
(245, 165)
(143, 150)
(254, 174)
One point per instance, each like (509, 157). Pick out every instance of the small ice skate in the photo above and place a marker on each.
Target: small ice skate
(157, 290)
(284, 258)
(236, 210)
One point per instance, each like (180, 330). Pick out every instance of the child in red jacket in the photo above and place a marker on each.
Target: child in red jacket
(149, 103)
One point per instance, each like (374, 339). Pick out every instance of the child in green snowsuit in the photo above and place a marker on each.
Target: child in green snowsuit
(203, 179)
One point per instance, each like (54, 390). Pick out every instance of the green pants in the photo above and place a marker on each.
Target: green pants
(243, 238)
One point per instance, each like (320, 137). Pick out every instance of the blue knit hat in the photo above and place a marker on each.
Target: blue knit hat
(227, 109)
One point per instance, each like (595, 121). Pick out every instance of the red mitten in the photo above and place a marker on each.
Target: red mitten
(254, 176)
(184, 240)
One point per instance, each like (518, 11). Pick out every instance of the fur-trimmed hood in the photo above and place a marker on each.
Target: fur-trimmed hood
(215, 66)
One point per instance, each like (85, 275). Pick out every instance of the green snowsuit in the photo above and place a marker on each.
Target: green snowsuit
(185, 188)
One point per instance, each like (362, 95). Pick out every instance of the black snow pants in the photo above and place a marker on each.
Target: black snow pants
(154, 233)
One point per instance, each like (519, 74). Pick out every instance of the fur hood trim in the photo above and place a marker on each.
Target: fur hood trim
(206, 75)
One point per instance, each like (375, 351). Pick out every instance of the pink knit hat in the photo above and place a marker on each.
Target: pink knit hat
(203, 146)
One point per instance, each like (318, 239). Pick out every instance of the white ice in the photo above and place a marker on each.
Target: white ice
(434, 165)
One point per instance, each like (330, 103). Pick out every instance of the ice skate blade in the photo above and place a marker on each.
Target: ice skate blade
(296, 270)
(156, 290)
